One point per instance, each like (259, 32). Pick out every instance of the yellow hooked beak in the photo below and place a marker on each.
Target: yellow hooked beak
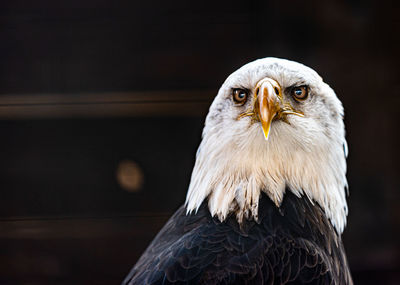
(266, 107)
(269, 104)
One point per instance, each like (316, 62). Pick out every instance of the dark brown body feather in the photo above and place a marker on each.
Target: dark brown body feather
(293, 244)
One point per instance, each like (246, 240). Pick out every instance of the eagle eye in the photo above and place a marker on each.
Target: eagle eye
(300, 93)
(239, 96)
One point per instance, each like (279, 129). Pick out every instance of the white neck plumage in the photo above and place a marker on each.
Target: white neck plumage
(232, 170)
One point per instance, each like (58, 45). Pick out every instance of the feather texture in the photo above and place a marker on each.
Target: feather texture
(292, 244)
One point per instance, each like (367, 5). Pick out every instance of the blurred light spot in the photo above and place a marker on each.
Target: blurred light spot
(130, 176)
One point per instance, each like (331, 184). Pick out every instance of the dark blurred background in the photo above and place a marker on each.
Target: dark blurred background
(102, 104)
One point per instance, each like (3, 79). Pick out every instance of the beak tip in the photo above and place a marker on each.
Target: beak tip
(266, 131)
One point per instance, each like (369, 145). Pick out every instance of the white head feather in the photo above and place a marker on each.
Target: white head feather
(235, 163)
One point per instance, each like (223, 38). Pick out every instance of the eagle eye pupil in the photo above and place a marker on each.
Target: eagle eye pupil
(300, 93)
(239, 96)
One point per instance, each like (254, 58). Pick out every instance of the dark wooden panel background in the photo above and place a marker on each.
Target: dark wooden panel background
(87, 85)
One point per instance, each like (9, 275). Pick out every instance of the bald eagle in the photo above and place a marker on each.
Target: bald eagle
(266, 203)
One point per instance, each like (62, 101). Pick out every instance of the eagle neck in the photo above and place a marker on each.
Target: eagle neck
(231, 176)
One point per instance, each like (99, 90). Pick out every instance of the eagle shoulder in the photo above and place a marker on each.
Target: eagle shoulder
(295, 243)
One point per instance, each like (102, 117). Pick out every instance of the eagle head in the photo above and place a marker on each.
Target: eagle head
(274, 126)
